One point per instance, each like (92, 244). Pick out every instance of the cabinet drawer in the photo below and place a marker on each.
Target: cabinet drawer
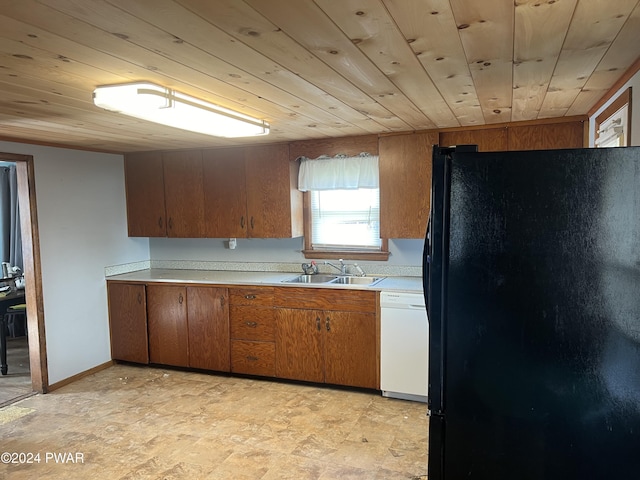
(251, 296)
(326, 299)
(253, 358)
(252, 323)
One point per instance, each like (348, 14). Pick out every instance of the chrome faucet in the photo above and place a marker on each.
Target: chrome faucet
(342, 268)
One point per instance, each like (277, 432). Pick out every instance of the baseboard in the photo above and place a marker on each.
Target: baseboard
(78, 376)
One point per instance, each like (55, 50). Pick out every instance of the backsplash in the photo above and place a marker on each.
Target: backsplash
(369, 269)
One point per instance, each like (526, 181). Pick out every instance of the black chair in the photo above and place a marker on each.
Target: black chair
(14, 324)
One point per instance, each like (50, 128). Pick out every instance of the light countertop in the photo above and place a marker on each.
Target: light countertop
(215, 277)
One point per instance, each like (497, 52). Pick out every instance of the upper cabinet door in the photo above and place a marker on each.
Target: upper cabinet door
(274, 203)
(547, 136)
(487, 139)
(225, 199)
(184, 193)
(144, 184)
(405, 184)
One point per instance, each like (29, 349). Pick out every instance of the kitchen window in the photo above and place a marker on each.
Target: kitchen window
(342, 208)
(613, 125)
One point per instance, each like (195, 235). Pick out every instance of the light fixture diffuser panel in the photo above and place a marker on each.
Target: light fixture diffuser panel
(157, 104)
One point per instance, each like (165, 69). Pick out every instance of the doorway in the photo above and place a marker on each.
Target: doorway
(32, 271)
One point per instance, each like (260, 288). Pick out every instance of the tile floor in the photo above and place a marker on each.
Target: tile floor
(130, 422)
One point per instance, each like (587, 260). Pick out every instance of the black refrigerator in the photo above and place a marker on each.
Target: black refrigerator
(532, 282)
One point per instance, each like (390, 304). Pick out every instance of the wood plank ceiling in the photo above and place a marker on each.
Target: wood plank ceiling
(311, 68)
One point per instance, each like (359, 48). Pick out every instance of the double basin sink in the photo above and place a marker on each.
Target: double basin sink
(334, 280)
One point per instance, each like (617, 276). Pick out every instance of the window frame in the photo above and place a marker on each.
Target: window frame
(623, 99)
(351, 254)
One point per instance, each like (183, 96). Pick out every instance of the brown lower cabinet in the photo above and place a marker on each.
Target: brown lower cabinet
(310, 334)
(208, 319)
(253, 358)
(327, 335)
(326, 346)
(128, 322)
(188, 326)
(253, 348)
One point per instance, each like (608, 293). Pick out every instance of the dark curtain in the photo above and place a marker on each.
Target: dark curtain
(10, 235)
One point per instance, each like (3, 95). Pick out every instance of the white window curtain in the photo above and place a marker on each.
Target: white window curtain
(338, 173)
(345, 201)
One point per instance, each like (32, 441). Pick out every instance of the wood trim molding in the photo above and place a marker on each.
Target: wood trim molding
(334, 146)
(631, 71)
(78, 376)
(623, 99)
(32, 270)
(27, 141)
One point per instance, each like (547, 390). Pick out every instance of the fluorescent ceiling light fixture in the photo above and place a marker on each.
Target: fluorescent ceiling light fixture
(154, 103)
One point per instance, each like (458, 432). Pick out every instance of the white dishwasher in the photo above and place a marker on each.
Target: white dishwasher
(404, 346)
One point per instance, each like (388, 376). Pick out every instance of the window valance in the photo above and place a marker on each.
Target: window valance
(338, 173)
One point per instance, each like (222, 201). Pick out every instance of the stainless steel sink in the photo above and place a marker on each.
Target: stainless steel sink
(357, 280)
(311, 279)
(334, 279)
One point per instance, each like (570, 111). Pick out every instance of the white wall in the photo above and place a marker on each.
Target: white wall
(82, 226)
(403, 252)
(634, 82)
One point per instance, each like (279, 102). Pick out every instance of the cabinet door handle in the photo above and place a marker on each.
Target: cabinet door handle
(140, 298)
(252, 224)
(170, 223)
(180, 299)
(222, 302)
(328, 324)
(251, 324)
(250, 297)
(242, 221)
(318, 323)
(160, 222)
(251, 358)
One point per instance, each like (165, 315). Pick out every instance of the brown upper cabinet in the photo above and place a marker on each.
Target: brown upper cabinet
(252, 193)
(520, 136)
(405, 183)
(184, 193)
(487, 139)
(274, 203)
(144, 182)
(225, 193)
(547, 136)
(233, 192)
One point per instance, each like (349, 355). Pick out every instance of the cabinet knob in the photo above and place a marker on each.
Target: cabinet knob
(318, 323)
(250, 297)
(222, 302)
(180, 299)
(328, 324)
(251, 324)
(251, 358)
